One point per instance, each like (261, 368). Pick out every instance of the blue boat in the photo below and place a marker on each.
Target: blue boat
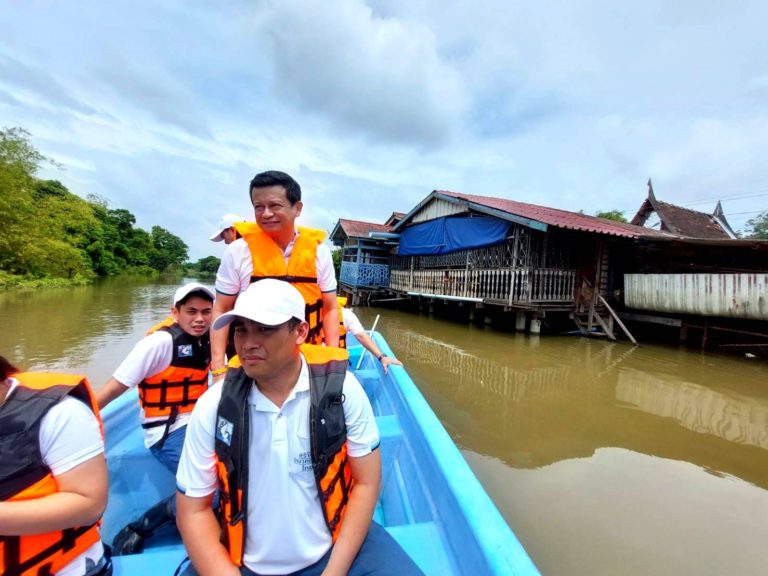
(431, 502)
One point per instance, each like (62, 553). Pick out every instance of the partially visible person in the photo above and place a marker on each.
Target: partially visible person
(291, 440)
(351, 324)
(276, 248)
(170, 366)
(230, 228)
(53, 476)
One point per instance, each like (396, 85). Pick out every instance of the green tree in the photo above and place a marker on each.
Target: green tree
(758, 227)
(46, 231)
(337, 256)
(169, 250)
(616, 215)
(208, 265)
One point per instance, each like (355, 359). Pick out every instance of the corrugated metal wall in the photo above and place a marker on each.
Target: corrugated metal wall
(438, 208)
(728, 295)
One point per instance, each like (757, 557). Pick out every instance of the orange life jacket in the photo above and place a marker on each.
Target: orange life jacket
(328, 439)
(342, 300)
(175, 390)
(301, 270)
(24, 475)
(243, 228)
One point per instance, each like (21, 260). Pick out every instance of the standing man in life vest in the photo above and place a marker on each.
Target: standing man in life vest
(277, 249)
(53, 476)
(290, 440)
(170, 366)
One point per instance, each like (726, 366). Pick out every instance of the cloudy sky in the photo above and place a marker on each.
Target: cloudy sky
(169, 108)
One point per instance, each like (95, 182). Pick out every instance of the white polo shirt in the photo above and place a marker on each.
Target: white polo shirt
(151, 355)
(69, 436)
(352, 323)
(286, 530)
(236, 268)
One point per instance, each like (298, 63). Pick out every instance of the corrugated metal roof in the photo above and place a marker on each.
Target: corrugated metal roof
(360, 229)
(558, 218)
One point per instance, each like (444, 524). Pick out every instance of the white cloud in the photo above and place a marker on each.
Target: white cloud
(170, 109)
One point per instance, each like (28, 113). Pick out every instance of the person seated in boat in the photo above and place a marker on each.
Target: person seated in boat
(230, 228)
(289, 422)
(276, 248)
(350, 323)
(53, 476)
(170, 366)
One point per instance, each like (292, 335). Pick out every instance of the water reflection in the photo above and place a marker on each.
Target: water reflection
(534, 402)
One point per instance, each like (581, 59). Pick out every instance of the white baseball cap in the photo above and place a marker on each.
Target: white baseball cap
(225, 222)
(183, 291)
(270, 302)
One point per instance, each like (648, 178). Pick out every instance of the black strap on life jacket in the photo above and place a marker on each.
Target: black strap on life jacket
(313, 336)
(199, 360)
(12, 552)
(22, 413)
(232, 446)
(287, 278)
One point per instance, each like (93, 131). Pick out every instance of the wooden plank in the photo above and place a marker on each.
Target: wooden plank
(604, 326)
(651, 319)
(615, 316)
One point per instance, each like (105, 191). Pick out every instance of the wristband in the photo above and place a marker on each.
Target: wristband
(382, 355)
(219, 371)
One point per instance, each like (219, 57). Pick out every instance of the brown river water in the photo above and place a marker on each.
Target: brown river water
(603, 458)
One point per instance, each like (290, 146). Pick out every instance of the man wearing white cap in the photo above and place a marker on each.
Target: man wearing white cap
(230, 228)
(290, 440)
(170, 365)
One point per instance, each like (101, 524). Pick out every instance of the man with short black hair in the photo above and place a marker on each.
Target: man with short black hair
(277, 249)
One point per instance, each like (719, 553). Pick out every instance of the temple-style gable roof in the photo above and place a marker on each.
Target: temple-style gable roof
(684, 221)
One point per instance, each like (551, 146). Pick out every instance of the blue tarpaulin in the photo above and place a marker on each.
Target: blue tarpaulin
(444, 235)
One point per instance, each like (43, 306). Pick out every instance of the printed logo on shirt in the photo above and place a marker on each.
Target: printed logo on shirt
(304, 460)
(224, 430)
(185, 350)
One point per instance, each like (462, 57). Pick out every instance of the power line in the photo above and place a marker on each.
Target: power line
(750, 212)
(735, 197)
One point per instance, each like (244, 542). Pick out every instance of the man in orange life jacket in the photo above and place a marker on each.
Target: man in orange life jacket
(53, 477)
(277, 249)
(170, 366)
(290, 439)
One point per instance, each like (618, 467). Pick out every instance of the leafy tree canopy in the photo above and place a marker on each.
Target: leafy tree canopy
(616, 215)
(46, 231)
(758, 227)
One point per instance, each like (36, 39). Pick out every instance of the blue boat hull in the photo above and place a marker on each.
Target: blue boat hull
(431, 502)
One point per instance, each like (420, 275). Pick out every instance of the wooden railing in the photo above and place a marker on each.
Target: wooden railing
(538, 285)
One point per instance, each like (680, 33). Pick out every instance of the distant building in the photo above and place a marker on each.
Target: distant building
(683, 221)
(493, 256)
(365, 260)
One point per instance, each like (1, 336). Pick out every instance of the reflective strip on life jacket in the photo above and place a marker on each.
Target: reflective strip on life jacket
(42, 554)
(301, 270)
(176, 389)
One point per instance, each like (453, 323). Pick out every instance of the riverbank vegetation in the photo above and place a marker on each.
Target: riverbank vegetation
(50, 236)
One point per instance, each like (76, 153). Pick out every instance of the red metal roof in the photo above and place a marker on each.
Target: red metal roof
(559, 218)
(360, 229)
